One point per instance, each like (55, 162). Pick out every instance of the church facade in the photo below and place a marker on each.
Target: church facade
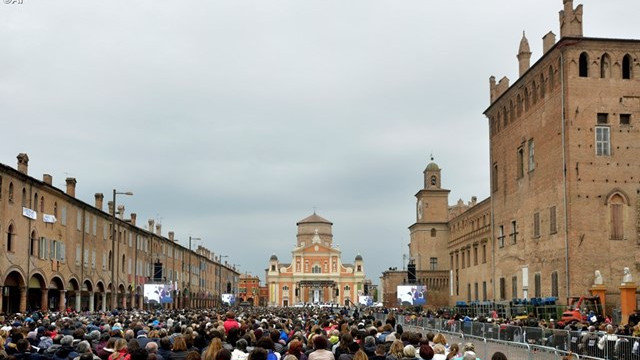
(316, 273)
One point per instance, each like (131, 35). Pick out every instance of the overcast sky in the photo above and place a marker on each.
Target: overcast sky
(232, 120)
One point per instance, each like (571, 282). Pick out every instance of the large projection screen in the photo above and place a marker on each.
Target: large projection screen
(157, 294)
(365, 300)
(228, 299)
(412, 295)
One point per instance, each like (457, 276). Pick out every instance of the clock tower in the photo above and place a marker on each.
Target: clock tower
(430, 232)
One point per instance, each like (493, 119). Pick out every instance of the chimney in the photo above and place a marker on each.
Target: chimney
(121, 211)
(159, 229)
(151, 222)
(492, 88)
(110, 205)
(524, 55)
(71, 186)
(133, 218)
(99, 200)
(570, 20)
(171, 236)
(23, 163)
(47, 179)
(548, 41)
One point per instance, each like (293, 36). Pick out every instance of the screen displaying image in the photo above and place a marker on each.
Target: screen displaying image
(409, 295)
(229, 299)
(365, 300)
(157, 294)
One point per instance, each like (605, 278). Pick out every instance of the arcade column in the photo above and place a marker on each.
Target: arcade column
(627, 300)
(44, 300)
(23, 299)
(91, 300)
(61, 300)
(104, 301)
(78, 300)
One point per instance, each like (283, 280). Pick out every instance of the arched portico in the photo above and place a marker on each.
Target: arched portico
(37, 293)
(56, 294)
(73, 295)
(87, 302)
(14, 287)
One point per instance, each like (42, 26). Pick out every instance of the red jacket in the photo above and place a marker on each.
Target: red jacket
(230, 324)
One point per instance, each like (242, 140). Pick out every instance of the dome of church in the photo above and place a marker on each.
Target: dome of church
(358, 257)
(432, 167)
(273, 258)
(314, 218)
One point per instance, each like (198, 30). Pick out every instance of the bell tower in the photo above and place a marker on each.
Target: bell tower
(430, 232)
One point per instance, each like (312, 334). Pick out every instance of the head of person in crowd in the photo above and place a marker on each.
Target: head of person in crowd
(192, 355)
(426, 352)
(320, 342)
(440, 339)
(439, 349)
(139, 354)
(498, 356)
(409, 352)
(212, 349)
(257, 354)
(361, 355)
(454, 351)
(397, 349)
(469, 355)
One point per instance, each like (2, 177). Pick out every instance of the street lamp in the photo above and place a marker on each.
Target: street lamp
(114, 273)
(190, 268)
(220, 276)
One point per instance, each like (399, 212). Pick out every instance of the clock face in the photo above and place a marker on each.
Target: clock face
(419, 209)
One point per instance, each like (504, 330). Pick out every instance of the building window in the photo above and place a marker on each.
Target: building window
(463, 262)
(554, 284)
(494, 177)
(514, 287)
(500, 236)
(468, 292)
(484, 291)
(603, 143)
(583, 64)
(526, 99)
(514, 232)
(532, 152)
(605, 66)
(10, 238)
(34, 244)
(534, 92)
(537, 291)
(602, 119)
(433, 232)
(519, 105)
(316, 269)
(625, 119)
(503, 290)
(520, 168)
(24, 197)
(536, 225)
(468, 257)
(433, 263)
(475, 288)
(10, 192)
(475, 255)
(616, 204)
(552, 220)
(627, 68)
(484, 253)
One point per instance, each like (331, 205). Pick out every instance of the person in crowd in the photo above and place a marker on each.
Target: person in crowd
(230, 322)
(120, 350)
(84, 347)
(409, 353)
(152, 350)
(396, 351)
(498, 356)
(320, 351)
(454, 352)
(439, 352)
(179, 349)
(380, 353)
(295, 349)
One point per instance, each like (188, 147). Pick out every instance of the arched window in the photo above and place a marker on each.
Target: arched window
(434, 180)
(526, 99)
(10, 238)
(34, 244)
(316, 269)
(505, 116)
(123, 263)
(347, 288)
(543, 86)
(42, 204)
(583, 65)
(34, 206)
(616, 204)
(11, 192)
(519, 105)
(110, 260)
(552, 82)
(512, 114)
(24, 197)
(55, 209)
(626, 67)
(534, 93)
(605, 66)
(433, 232)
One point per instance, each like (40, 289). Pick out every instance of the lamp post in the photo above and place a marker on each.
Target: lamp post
(220, 276)
(190, 269)
(114, 273)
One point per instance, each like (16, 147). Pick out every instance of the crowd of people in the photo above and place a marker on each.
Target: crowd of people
(214, 334)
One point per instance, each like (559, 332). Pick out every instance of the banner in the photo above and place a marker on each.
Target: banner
(49, 218)
(31, 214)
